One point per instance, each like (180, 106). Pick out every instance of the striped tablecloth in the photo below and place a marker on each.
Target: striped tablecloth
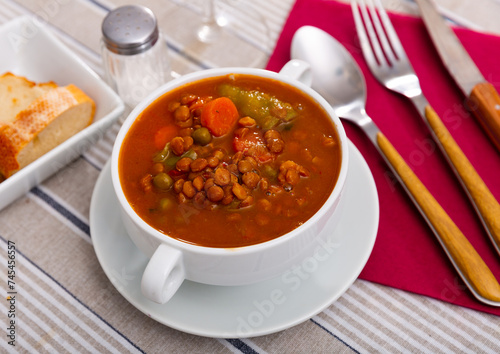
(65, 302)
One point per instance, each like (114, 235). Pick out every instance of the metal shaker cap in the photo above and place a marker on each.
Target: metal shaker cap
(130, 29)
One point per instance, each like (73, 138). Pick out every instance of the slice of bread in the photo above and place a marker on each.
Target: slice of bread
(37, 118)
(17, 93)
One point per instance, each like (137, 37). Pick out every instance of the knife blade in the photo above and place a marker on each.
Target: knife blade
(482, 98)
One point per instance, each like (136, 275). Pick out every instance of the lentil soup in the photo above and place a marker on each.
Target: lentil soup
(230, 161)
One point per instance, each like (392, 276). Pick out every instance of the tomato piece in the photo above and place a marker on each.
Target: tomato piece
(252, 144)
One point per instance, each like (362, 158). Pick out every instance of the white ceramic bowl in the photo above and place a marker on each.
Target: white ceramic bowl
(29, 49)
(172, 261)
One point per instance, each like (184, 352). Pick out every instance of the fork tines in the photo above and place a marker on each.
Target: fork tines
(379, 41)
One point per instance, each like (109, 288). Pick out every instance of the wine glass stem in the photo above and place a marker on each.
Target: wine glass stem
(209, 10)
(209, 30)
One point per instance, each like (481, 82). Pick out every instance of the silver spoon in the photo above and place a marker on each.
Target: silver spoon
(336, 76)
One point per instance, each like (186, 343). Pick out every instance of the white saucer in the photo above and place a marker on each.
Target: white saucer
(252, 310)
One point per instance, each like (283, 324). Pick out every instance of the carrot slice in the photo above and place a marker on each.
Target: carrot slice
(164, 135)
(219, 116)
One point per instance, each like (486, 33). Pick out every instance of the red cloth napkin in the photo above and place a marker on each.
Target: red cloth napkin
(406, 254)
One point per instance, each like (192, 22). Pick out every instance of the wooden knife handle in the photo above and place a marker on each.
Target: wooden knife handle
(484, 102)
(486, 205)
(465, 257)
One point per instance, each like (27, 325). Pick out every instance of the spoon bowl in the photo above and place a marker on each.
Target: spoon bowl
(334, 65)
(335, 75)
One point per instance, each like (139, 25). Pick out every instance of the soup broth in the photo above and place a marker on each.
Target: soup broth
(230, 161)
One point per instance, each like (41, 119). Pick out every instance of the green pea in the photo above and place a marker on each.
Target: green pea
(163, 181)
(202, 136)
(165, 204)
(270, 171)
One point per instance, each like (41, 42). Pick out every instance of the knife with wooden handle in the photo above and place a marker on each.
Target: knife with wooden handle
(482, 98)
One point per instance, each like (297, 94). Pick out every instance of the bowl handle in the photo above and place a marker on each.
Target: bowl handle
(163, 275)
(298, 70)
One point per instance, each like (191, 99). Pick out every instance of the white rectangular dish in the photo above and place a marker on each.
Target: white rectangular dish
(29, 49)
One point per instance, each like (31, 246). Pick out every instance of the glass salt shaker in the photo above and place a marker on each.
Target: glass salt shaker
(134, 53)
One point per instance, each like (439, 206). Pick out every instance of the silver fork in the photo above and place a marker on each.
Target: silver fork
(388, 62)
